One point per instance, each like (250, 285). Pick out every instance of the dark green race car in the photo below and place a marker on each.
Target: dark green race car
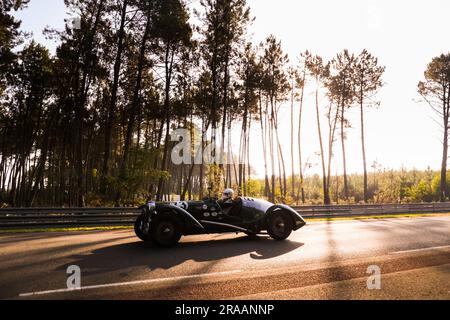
(165, 223)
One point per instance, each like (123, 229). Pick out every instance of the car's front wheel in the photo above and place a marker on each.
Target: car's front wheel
(280, 225)
(139, 229)
(165, 231)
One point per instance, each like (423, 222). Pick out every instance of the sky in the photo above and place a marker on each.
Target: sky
(404, 35)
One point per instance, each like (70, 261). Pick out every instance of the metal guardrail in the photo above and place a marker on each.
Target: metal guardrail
(375, 209)
(85, 217)
(66, 217)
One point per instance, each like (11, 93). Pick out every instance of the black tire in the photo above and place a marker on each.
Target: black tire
(280, 225)
(165, 230)
(138, 229)
(252, 235)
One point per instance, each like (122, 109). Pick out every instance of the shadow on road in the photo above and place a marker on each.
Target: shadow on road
(339, 272)
(136, 254)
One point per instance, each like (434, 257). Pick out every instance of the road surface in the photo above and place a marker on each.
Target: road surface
(324, 260)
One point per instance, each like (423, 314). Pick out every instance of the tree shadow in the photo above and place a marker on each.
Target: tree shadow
(338, 273)
(138, 254)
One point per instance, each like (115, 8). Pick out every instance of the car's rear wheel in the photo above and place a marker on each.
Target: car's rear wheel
(139, 229)
(165, 231)
(280, 225)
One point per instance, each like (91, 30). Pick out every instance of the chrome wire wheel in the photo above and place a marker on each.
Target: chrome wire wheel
(141, 229)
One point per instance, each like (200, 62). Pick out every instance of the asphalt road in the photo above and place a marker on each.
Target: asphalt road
(324, 260)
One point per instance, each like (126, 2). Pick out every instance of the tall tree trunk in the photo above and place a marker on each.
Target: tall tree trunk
(202, 166)
(115, 86)
(333, 126)
(249, 173)
(262, 119)
(272, 150)
(363, 143)
(168, 71)
(443, 194)
(81, 96)
(229, 178)
(214, 102)
(292, 145)
(281, 157)
(300, 148)
(158, 142)
(224, 120)
(42, 161)
(344, 159)
(326, 196)
(134, 106)
(243, 149)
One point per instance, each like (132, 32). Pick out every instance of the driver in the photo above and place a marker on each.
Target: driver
(227, 196)
(228, 203)
(227, 200)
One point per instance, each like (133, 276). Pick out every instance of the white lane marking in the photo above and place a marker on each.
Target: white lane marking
(130, 283)
(422, 249)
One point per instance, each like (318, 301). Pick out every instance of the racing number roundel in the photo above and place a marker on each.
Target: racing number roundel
(182, 204)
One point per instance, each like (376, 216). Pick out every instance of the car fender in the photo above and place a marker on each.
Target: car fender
(298, 220)
(185, 215)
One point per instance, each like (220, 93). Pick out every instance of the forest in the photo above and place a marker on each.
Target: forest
(91, 124)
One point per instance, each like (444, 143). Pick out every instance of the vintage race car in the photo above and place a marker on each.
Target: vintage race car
(165, 223)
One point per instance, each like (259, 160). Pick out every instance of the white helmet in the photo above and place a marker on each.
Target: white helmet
(228, 194)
